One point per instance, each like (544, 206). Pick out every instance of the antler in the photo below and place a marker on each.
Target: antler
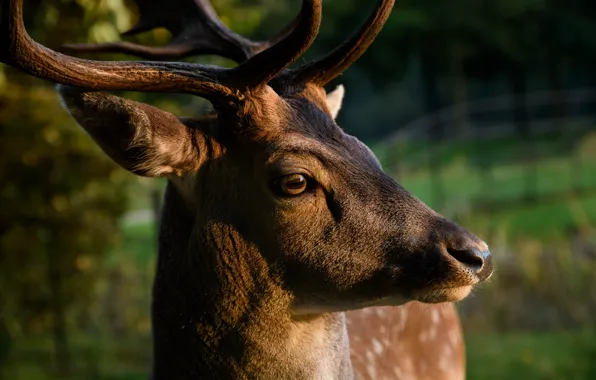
(195, 29)
(339, 60)
(204, 80)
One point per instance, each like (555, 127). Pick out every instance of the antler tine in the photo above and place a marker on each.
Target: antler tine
(336, 62)
(196, 30)
(165, 53)
(281, 55)
(23, 53)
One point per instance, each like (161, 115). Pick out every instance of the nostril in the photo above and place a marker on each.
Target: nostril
(471, 258)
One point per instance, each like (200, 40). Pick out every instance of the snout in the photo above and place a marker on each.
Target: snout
(452, 262)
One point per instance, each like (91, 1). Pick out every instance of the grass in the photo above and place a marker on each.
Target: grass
(544, 356)
(545, 221)
(491, 181)
(507, 182)
(497, 150)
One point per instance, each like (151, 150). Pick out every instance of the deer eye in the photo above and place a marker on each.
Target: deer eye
(293, 184)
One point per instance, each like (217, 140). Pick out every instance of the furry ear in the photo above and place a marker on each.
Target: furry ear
(335, 99)
(140, 138)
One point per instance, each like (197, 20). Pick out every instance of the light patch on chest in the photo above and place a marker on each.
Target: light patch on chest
(315, 344)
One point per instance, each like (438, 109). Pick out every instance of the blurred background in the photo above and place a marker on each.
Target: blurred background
(486, 110)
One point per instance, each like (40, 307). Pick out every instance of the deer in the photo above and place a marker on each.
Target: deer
(284, 247)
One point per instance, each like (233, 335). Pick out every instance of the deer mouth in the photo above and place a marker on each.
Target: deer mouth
(440, 295)
(454, 287)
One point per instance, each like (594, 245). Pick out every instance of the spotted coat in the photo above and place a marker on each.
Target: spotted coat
(410, 342)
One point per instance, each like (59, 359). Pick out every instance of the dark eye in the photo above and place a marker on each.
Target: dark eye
(293, 184)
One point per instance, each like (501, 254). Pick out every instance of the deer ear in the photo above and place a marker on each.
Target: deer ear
(335, 99)
(140, 138)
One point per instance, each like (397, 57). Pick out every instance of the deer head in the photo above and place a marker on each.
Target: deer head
(274, 218)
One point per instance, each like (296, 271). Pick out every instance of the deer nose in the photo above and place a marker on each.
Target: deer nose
(476, 258)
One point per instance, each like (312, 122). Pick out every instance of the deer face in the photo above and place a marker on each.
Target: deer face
(339, 232)
(342, 233)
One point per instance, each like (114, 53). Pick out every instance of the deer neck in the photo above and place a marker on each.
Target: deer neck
(219, 312)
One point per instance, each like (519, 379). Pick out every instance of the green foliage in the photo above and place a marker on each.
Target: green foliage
(537, 356)
(93, 357)
(61, 200)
